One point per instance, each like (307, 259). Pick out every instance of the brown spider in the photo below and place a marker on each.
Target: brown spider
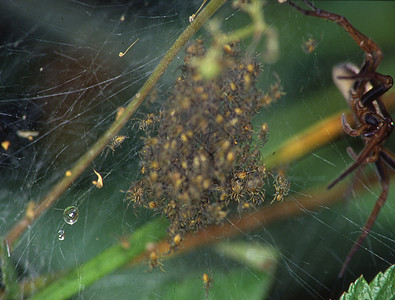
(374, 122)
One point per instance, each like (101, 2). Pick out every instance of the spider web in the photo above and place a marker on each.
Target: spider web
(62, 82)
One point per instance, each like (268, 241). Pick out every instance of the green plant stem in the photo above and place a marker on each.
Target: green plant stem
(98, 147)
(104, 263)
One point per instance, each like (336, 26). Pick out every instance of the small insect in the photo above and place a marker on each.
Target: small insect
(99, 182)
(275, 92)
(136, 195)
(241, 175)
(263, 134)
(144, 124)
(154, 261)
(237, 190)
(176, 241)
(310, 45)
(121, 54)
(152, 204)
(207, 282)
(282, 185)
(117, 141)
(255, 189)
(276, 89)
(150, 120)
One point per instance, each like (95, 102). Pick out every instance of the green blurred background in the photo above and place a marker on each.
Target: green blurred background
(61, 76)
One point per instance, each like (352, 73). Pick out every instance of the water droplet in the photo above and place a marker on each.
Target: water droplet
(61, 235)
(70, 215)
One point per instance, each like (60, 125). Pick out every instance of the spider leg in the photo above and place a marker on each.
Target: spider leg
(349, 130)
(346, 126)
(383, 110)
(361, 159)
(357, 174)
(386, 83)
(384, 180)
(381, 83)
(388, 157)
(351, 153)
(347, 172)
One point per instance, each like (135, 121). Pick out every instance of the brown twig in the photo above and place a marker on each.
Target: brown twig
(257, 220)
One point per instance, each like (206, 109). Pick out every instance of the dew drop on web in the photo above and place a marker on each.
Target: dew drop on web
(70, 215)
(61, 235)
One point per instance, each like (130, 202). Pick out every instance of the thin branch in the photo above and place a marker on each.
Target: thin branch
(98, 147)
(252, 221)
(319, 197)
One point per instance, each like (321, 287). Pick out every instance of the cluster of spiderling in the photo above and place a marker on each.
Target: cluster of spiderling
(202, 162)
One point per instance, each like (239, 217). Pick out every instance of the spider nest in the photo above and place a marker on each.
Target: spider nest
(202, 162)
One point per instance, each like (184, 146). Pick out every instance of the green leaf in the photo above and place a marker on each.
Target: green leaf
(381, 287)
(252, 280)
(104, 263)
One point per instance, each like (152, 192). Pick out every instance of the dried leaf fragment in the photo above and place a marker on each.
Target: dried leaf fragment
(5, 145)
(99, 182)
